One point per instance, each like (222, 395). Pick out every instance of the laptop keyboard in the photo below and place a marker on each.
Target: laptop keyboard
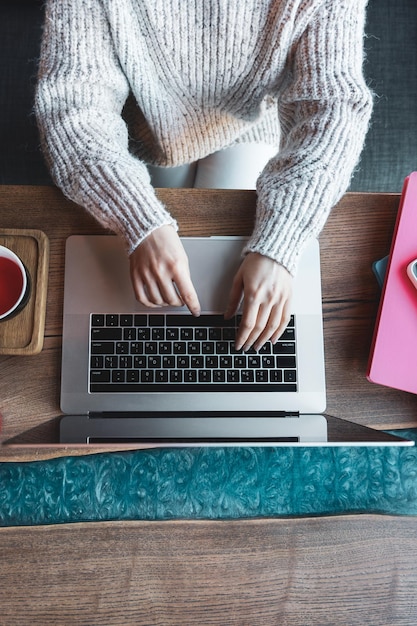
(139, 352)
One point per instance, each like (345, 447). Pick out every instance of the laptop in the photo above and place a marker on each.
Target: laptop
(162, 377)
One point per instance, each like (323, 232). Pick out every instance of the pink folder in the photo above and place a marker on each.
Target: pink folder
(393, 357)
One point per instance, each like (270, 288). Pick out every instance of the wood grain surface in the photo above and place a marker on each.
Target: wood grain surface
(357, 233)
(336, 571)
(306, 572)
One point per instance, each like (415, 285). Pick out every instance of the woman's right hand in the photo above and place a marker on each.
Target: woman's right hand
(160, 272)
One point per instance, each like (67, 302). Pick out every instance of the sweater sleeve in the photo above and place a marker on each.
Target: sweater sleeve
(80, 94)
(324, 112)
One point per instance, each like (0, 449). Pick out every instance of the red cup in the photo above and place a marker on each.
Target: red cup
(13, 283)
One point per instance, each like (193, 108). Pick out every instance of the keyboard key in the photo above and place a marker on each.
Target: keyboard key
(266, 349)
(207, 347)
(143, 334)
(190, 376)
(219, 376)
(168, 362)
(254, 362)
(240, 361)
(212, 361)
(156, 320)
(275, 376)
(204, 376)
(118, 376)
(100, 376)
(222, 347)
(112, 320)
(186, 334)
(139, 362)
(97, 320)
(126, 320)
(197, 362)
(172, 334)
(203, 321)
(147, 376)
(111, 361)
(132, 376)
(96, 362)
(284, 347)
(125, 362)
(268, 361)
(161, 376)
(200, 334)
(141, 320)
(247, 376)
(106, 334)
(229, 334)
(183, 361)
(233, 376)
(103, 347)
(215, 334)
(261, 376)
(225, 362)
(158, 334)
(122, 347)
(286, 361)
(290, 376)
(194, 347)
(175, 376)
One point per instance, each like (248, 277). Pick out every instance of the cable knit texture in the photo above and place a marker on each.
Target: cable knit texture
(123, 83)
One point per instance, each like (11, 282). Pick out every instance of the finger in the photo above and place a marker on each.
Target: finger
(235, 297)
(273, 325)
(154, 293)
(147, 290)
(248, 323)
(188, 293)
(141, 295)
(286, 315)
(170, 294)
(258, 326)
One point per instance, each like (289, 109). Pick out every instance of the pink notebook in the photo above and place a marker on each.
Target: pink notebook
(393, 357)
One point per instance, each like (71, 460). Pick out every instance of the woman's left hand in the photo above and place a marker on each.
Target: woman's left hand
(266, 287)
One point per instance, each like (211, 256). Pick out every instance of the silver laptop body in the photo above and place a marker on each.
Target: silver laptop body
(97, 283)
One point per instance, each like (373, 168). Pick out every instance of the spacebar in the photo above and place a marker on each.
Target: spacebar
(184, 387)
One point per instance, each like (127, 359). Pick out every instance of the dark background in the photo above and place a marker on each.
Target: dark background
(391, 70)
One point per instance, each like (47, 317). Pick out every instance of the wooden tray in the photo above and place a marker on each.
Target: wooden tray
(23, 333)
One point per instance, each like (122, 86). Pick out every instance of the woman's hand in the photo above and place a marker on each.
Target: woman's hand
(266, 287)
(160, 272)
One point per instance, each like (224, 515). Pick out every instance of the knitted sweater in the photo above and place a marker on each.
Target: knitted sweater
(123, 83)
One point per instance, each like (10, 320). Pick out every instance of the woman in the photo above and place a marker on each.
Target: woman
(133, 88)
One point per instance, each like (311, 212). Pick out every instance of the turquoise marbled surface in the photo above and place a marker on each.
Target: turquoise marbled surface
(223, 483)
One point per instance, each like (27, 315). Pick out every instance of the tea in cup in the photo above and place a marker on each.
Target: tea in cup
(13, 283)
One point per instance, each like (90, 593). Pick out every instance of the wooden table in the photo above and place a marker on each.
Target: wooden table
(358, 232)
(343, 570)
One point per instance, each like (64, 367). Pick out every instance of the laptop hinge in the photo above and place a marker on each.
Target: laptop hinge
(191, 414)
